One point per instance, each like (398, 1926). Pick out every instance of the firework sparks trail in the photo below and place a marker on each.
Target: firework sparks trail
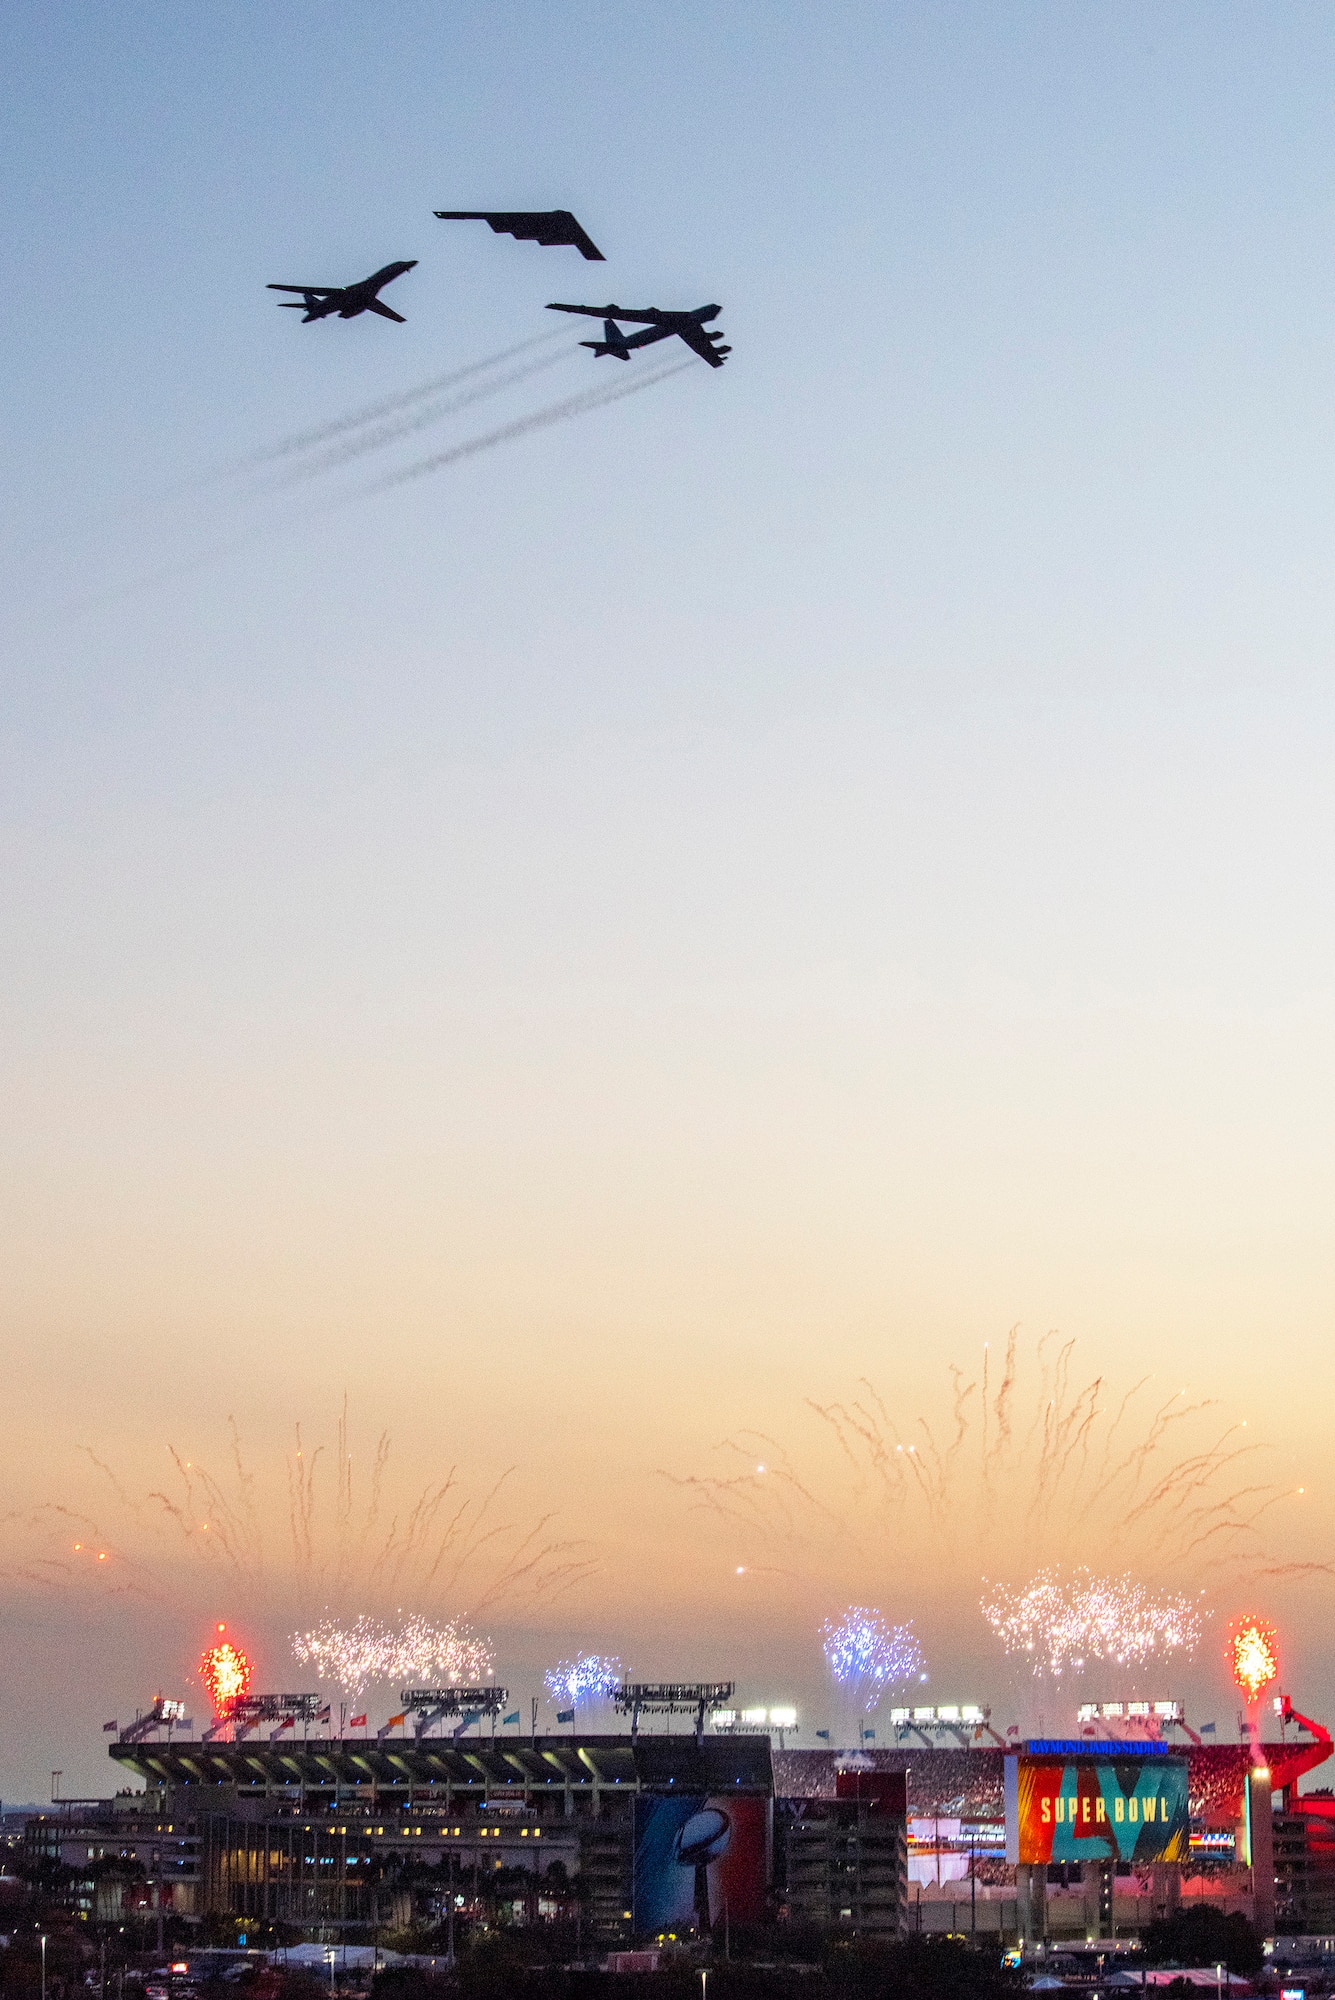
(356, 1656)
(1064, 1625)
(1252, 1653)
(1025, 1465)
(869, 1656)
(317, 1530)
(578, 1682)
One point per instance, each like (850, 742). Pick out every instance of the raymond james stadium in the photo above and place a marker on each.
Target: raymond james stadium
(689, 1820)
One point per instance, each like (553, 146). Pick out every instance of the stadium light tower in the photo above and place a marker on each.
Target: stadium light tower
(671, 1698)
(428, 1706)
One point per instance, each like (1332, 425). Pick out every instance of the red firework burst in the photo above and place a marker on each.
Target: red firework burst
(225, 1672)
(1253, 1654)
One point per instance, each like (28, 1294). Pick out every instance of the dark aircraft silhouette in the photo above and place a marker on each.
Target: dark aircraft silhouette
(319, 301)
(545, 226)
(688, 326)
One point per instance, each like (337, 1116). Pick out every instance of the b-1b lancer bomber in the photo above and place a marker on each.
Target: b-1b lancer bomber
(548, 226)
(658, 325)
(319, 301)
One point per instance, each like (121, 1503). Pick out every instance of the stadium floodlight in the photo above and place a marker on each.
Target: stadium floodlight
(783, 1718)
(162, 1715)
(754, 1718)
(1142, 1712)
(724, 1718)
(430, 1705)
(253, 1708)
(453, 1701)
(961, 1719)
(634, 1698)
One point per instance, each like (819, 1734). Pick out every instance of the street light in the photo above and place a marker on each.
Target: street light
(43, 1965)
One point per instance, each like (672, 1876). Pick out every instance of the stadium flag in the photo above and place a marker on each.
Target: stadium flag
(869, 1735)
(466, 1721)
(322, 1714)
(288, 1722)
(509, 1718)
(356, 1722)
(565, 1715)
(111, 1729)
(824, 1735)
(1208, 1729)
(395, 1722)
(213, 1729)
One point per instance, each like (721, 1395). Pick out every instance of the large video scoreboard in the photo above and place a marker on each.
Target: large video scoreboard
(1079, 1801)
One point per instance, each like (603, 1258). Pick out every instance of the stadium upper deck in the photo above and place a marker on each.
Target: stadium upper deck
(450, 1767)
(945, 1782)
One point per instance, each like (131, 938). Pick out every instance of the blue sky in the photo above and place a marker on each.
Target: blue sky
(774, 880)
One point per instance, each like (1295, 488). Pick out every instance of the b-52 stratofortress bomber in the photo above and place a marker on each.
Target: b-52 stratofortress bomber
(319, 301)
(547, 226)
(658, 325)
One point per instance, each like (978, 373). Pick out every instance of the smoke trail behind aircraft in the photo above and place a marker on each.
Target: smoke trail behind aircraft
(347, 448)
(536, 420)
(385, 406)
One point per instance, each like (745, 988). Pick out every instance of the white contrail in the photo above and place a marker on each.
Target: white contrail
(536, 420)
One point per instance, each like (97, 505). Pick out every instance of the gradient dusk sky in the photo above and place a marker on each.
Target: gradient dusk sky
(766, 884)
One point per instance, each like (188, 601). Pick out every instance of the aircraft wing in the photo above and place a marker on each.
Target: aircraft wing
(311, 291)
(385, 312)
(697, 339)
(589, 312)
(549, 227)
(609, 312)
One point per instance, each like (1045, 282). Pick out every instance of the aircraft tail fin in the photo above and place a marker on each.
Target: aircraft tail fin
(612, 342)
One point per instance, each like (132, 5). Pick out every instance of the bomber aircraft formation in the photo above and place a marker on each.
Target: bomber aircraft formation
(548, 227)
